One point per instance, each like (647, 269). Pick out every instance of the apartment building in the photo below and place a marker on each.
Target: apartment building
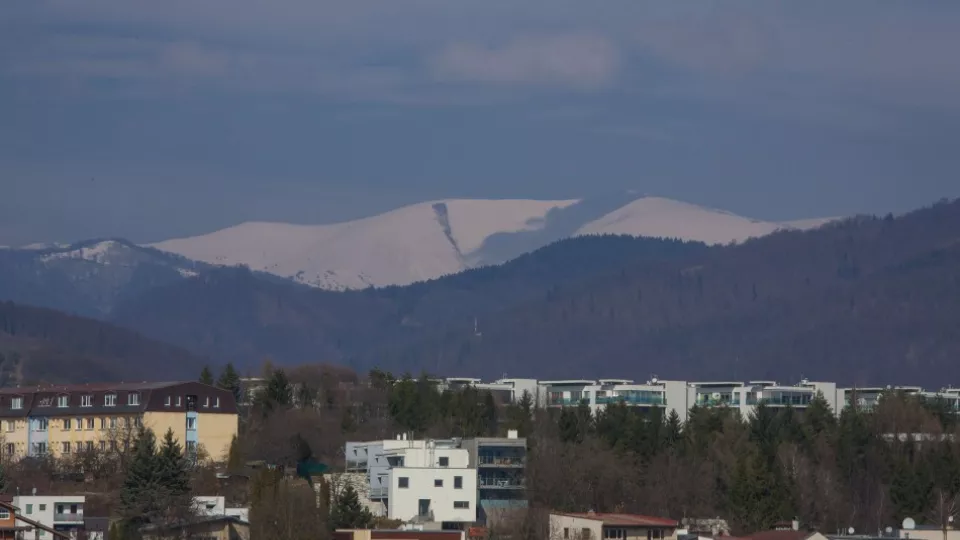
(61, 420)
(418, 480)
(63, 513)
(501, 464)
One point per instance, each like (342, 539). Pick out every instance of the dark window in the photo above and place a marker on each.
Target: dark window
(444, 462)
(403, 482)
(461, 504)
(457, 482)
(438, 483)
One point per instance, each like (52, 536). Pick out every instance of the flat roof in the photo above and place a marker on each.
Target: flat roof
(569, 382)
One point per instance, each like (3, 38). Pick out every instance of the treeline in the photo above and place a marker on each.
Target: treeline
(866, 469)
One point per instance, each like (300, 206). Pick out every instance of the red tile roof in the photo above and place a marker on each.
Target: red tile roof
(625, 520)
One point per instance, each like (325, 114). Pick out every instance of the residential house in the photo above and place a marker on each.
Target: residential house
(595, 525)
(62, 420)
(16, 526)
(62, 513)
(208, 528)
(407, 534)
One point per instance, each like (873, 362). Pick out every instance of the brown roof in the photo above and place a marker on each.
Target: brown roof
(625, 520)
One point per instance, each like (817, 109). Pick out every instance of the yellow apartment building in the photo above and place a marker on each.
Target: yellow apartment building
(65, 420)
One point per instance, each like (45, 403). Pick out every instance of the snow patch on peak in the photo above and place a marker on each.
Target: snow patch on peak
(99, 252)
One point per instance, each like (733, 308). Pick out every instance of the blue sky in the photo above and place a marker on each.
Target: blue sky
(149, 119)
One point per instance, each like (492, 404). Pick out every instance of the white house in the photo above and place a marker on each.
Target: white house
(418, 480)
(62, 513)
(214, 505)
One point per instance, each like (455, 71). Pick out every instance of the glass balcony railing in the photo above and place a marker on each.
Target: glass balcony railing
(501, 461)
(501, 483)
(68, 518)
(566, 402)
(650, 400)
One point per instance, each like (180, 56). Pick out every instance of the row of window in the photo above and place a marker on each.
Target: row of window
(42, 424)
(109, 400)
(40, 448)
(403, 482)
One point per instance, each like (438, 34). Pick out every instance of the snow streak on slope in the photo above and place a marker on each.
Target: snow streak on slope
(396, 248)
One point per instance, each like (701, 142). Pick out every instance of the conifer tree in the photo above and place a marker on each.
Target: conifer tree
(348, 513)
(173, 474)
(139, 495)
(206, 376)
(230, 380)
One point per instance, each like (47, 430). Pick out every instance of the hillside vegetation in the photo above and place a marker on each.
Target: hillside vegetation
(42, 345)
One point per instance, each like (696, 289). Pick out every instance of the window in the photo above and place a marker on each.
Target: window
(66, 424)
(88, 446)
(103, 423)
(63, 401)
(103, 446)
(457, 482)
(138, 421)
(178, 401)
(113, 422)
(113, 446)
(11, 426)
(438, 483)
(584, 534)
(65, 447)
(614, 533)
(40, 448)
(4, 513)
(16, 403)
(463, 505)
(9, 449)
(78, 447)
(43, 508)
(206, 402)
(110, 400)
(86, 401)
(444, 462)
(191, 423)
(79, 424)
(403, 482)
(167, 401)
(90, 422)
(655, 534)
(191, 447)
(216, 403)
(29, 509)
(133, 398)
(42, 424)
(566, 532)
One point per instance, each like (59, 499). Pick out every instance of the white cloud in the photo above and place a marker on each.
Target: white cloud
(576, 61)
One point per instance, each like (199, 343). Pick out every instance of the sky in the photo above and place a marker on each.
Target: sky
(149, 120)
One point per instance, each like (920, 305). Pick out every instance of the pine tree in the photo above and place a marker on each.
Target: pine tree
(139, 495)
(3, 479)
(490, 415)
(206, 376)
(278, 392)
(173, 474)
(348, 513)
(674, 430)
(230, 380)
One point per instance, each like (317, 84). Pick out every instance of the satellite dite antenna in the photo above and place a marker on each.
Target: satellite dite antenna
(908, 525)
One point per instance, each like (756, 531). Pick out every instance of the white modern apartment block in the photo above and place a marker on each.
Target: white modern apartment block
(62, 513)
(215, 505)
(418, 480)
(505, 390)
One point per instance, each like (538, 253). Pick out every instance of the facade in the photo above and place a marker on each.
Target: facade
(215, 505)
(375, 534)
(62, 513)
(63, 420)
(500, 464)
(593, 526)
(15, 526)
(418, 480)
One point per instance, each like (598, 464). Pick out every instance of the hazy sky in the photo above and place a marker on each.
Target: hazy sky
(151, 119)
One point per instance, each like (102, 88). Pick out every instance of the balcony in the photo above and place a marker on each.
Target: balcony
(68, 518)
(634, 400)
(567, 402)
(501, 461)
(379, 493)
(501, 483)
(356, 465)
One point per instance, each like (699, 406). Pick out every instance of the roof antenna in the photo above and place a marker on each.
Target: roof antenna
(476, 328)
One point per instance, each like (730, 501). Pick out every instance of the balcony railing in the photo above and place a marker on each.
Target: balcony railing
(353, 465)
(68, 518)
(378, 493)
(501, 461)
(566, 402)
(632, 400)
(501, 483)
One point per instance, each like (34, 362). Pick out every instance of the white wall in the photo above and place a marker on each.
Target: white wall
(48, 504)
(574, 528)
(404, 502)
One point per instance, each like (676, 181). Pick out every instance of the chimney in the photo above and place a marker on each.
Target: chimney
(795, 525)
(512, 434)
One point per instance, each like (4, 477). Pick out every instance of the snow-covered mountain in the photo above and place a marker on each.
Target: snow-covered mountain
(431, 239)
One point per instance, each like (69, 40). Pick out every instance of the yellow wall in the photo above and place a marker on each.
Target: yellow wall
(160, 422)
(18, 436)
(57, 435)
(215, 433)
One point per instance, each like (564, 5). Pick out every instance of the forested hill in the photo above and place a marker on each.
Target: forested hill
(42, 345)
(232, 314)
(867, 300)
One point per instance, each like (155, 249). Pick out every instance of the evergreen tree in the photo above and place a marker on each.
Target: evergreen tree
(674, 430)
(206, 376)
(3, 479)
(348, 513)
(818, 418)
(173, 474)
(140, 493)
(230, 380)
(277, 393)
(490, 415)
